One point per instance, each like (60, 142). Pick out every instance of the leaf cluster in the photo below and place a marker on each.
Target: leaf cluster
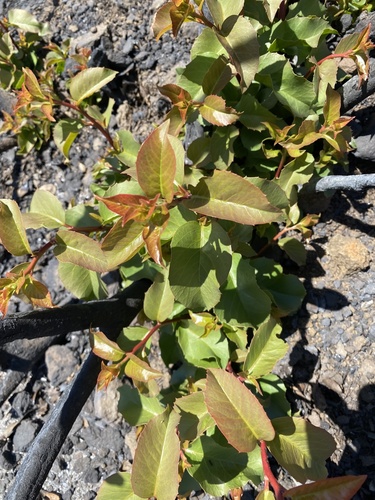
(206, 224)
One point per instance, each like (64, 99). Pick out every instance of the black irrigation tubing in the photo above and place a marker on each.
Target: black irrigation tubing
(108, 313)
(35, 467)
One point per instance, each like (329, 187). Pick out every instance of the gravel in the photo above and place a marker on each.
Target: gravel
(329, 368)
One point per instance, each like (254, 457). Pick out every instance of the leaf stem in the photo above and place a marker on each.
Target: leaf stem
(92, 120)
(202, 19)
(268, 474)
(348, 53)
(37, 256)
(281, 164)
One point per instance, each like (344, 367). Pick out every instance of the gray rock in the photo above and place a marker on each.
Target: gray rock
(24, 435)
(61, 363)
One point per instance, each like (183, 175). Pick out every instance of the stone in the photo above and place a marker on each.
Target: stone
(24, 435)
(61, 364)
(348, 254)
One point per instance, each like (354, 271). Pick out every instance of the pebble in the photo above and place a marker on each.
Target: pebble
(24, 435)
(61, 364)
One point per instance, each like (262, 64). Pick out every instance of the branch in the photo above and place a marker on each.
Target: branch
(352, 93)
(109, 313)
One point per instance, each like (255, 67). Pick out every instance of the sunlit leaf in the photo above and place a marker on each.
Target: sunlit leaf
(122, 243)
(117, 487)
(65, 132)
(203, 351)
(88, 81)
(162, 21)
(271, 7)
(200, 262)
(137, 369)
(159, 299)
(105, 348)
(12, 232)
(294, 249)
(337, 488)
(241, 43)
(45, 211)
(130, 148)
(228, 196)
(36, 293)
(222, 9)
(266, 349)
(220, 468)
(236, 411)
(81, 250)
(155, 467)
(27, 22)
(81, 282)
(301, 448)
(215, 111)
(156, 164)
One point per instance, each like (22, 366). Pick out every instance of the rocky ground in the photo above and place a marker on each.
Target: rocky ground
(330, 366)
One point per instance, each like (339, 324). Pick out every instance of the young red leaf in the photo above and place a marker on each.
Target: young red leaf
(106, 375)
(236, 411)
(337, 488)
(137, 369)
(156, 164)
(215, 111)
(130, 206)
(175, 93)
(36, 293)
(179, 14)
(32, 85)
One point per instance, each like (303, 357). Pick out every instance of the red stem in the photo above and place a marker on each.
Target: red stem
(273, 241)
(268, 474)
(281, 164)
(37, 256)
(93, 122)
(330, 56)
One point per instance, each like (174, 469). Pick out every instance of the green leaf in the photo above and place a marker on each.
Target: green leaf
(122, 243)
(337, 488)
(217, 76)
(45, 211)
(207, 43)
(12, 232)
(155, 467)
(218, 468)
(81, 250)
(299, 31)
(294, 92)
(222, 9)
(105, 348)
(253, 114)
(236, 411)
(130, 148)
(273, 396)
(294, 249)
(117, 487)
(242, 301)
(65, 132)
(271, 7)
(159, 299)
(200, 262)
(215, 111)
(139, 370)
(228, 196)
(285, 290)
(195, 73)
(81, 282)
(178, 216)
(156, 164)
(131, 336)
(301, 448)
(203, 351)
(275, 194)
(27, 22)
(195, 419)
(241, 43)
(266, 349)
(89, 81)
(136, 408)
(82, 216)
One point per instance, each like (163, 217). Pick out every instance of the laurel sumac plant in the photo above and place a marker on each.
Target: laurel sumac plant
(201, 224)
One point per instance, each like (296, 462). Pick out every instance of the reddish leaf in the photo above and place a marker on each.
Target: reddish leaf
(130, 206)
(105, 348)
(36, 293)
(106, 375)
(162, 20)
(175, 93)
(151, 236)
(338, 488)
(179, 14)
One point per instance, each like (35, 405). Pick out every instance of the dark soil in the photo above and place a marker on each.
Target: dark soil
(330, 366)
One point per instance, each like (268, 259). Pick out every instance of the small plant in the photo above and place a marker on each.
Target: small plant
(202, 225)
